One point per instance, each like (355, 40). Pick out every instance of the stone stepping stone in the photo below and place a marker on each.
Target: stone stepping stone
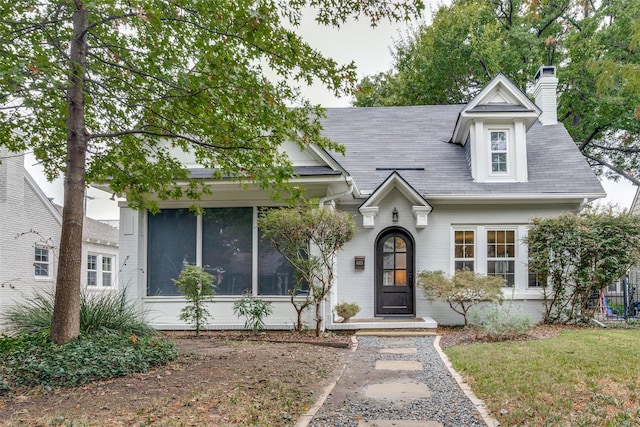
(401, 342)
(398, 391)
(398, 423)
(399, 350)
(399, 365)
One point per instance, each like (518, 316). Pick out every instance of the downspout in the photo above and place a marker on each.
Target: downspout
(321, 202)
(583, 205)
(325, 199)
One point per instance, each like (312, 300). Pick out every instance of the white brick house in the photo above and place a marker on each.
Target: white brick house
(30, 237)
(431, 188)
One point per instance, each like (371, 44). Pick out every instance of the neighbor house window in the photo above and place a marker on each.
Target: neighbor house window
(107, 270)
(501, 254)
(42, 262)
(464, 250)
(99, 270)
(498, 145)
(92, 270)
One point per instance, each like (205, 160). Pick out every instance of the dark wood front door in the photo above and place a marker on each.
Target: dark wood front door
(394, 274)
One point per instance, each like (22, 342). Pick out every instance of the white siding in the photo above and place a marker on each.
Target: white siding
(23, 208)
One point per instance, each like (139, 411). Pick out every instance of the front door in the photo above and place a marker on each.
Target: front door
(394, 274)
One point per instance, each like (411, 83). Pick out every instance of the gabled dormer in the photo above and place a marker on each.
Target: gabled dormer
(493, 128)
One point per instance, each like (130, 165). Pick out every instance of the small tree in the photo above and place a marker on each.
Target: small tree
(462, 291)
(576, 256)
(309, 238)
(198, 288)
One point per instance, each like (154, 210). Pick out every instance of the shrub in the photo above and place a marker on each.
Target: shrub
(255, 310)
(198, 288)
(462, 291)
(346, 310)
(107, 312)
(498, 321)
(30, 360)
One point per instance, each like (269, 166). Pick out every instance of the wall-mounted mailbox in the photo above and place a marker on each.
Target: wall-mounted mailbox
(359, 263)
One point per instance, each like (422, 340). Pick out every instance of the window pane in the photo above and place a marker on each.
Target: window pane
(227, 248)
(401, 278)
(389, 245)
(387, 278)
(498, 141)
(401, 260)
(106, 278)
(276, 276)
(401, 246)
(499, 162)
(387, 261)
(171, 242)
(92, 262)
(41, 264)
(107, 263)
(464, 265)
(92, 278)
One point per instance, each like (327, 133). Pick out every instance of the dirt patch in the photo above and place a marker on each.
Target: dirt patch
(220, 379)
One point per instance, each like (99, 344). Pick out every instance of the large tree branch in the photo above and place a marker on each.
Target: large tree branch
(611, 167)
(591, 136)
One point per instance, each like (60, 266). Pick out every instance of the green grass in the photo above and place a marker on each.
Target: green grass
(580, 378)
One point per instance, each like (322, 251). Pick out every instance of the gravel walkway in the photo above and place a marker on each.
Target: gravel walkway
(347, 404)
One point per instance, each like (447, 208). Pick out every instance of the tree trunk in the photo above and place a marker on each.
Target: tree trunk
(65, 324)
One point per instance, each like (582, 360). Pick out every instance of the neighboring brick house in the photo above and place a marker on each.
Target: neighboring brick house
(440, 187)
(30, 237)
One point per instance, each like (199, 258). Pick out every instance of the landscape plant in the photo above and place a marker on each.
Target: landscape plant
(255, 310)
(197, 286)
(577, 256)
(31, 360)
(309, 238)
(499, 321)
(346, 310)
(461, 291)
(117, 91)
(100, 313)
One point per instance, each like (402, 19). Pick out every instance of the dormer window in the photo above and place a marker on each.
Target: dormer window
(499, 153)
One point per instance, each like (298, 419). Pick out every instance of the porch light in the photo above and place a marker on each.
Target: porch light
(394, 215)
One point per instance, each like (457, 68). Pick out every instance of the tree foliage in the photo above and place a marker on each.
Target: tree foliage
(309, 238)
(198, 288)
(594, 45)
(462, 291)
(114, 90)
(576, 256)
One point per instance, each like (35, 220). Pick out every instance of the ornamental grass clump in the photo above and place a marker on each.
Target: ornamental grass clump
(107, 312)
(498, 321)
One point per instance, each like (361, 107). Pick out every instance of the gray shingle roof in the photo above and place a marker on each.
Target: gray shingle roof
(418, 137)
(95, 230)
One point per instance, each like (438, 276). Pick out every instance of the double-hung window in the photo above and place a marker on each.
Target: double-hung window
(99, 270)
(42, 262)
(464, 250)
(501, 254)
(499, 153)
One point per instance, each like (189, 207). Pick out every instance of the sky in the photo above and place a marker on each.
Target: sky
(356, 41)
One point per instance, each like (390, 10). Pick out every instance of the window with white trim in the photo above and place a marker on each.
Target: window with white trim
(499, 151)
(501, 254)
(99, 270)
(42, 262)
(464, 250)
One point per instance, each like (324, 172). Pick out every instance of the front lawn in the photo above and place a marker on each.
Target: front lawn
(579, 378)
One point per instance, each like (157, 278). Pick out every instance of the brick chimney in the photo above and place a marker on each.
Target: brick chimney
(545, 92)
